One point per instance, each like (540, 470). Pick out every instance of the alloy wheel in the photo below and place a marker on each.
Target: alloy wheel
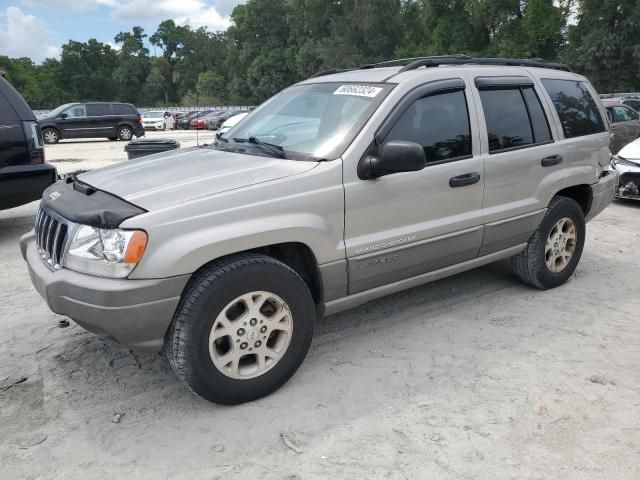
(251, 335)
(561, 245)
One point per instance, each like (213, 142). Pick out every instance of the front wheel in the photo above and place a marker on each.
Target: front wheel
(125, 133)
(50, 135)
(242, 329)
(554, 250)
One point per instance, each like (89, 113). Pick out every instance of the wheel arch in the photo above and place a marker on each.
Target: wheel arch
(582, 194)
(296, 255)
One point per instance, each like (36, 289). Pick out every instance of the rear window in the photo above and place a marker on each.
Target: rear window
(514, 118)
(98, 109)
(123, 109)
(576, 107)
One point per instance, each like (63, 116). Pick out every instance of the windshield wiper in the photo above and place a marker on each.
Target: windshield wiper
(274, 150)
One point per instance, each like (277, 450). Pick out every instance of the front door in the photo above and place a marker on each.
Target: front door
(406, 224)
(73, 122)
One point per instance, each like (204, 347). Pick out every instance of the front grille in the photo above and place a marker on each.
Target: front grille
(51, 237)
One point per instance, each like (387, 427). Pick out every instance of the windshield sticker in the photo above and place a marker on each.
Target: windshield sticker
(358, 90)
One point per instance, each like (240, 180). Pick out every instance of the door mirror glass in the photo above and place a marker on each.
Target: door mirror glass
(396, 156)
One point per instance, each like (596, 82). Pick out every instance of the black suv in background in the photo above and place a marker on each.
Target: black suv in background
(23, 173)
(113, 120)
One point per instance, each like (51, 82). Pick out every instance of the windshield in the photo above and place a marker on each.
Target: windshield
(153, 114)
(60, 109)
(315, 120)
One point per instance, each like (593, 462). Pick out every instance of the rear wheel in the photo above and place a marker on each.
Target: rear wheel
(125, 133)
(555, 248)
(50, 135)
(242, 329)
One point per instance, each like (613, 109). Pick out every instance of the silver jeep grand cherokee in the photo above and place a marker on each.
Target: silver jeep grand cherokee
(343, 188)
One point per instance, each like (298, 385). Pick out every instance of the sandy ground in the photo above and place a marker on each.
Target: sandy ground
(473, 377)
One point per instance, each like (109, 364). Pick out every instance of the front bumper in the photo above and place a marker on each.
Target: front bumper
(135, 313)
(603, 193)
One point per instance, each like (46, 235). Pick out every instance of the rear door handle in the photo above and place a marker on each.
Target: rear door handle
(551, 161)
(464, 180)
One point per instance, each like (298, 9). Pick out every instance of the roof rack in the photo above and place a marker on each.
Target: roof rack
(455, 59)
(466, 60)
(332, 71)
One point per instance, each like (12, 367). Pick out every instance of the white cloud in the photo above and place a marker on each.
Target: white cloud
(69, 5)
(26, 36)
(196, 13)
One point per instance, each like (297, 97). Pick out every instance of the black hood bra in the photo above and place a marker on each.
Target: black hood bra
(81, 203)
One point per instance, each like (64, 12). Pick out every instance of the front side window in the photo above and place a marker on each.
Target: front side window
(77, 111)
(98, 109)
(311, 121)
(514, 118)
(577, 110)
(623, 114)
(440, 123)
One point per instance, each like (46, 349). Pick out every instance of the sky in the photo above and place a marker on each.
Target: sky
(38, 28)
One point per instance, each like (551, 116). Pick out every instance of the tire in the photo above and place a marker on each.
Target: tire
(164, 127)
(543, 263)
(125, 133)
(50, 135)
(197, 347)
(113, 139)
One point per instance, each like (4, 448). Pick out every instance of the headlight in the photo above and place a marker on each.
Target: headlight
(105, 253)
(618, 160)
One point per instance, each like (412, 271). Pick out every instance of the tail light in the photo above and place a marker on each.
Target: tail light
(139, 119)
(35, 143)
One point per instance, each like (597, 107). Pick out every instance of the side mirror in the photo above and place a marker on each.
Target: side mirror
(396, 156)
(63, 115)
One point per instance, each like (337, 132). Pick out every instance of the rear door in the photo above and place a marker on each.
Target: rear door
(524, 162)
(101, 121)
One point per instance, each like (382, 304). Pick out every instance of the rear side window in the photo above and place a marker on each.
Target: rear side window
(623, 114)
(576, 107)
(122, 109)
(514, 118)
(98, 109)
(7, 113)
(440, 123)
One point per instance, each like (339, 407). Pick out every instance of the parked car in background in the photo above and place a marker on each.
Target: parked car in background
(199, 122)
(627, 164)
(215, 121)
(625, 124)
(112, 120)
(158, 120)
(232, 122)
(184, 123)
(629, 99)
(24, 175)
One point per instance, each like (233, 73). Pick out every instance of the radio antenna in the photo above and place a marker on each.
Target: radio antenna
(197, 116)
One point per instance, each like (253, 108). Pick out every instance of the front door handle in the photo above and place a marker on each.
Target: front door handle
(464, 180)
(551, 161)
